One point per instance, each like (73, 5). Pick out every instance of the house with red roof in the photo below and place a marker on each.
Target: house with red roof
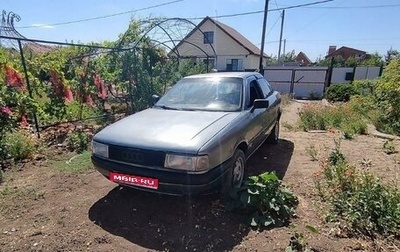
(220, 46)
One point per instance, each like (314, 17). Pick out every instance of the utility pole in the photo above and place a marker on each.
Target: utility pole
(261, 67)
(284, 46)
(280, 37)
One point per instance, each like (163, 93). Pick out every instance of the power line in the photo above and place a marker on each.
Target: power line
(306, 5)
(172, 2)
(261, 11)
(105, 16)
(358, 7)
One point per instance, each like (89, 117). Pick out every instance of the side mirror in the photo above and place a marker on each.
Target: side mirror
(260, 103)
(155, 98)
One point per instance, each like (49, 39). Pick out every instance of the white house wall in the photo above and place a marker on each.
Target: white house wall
(225, 47)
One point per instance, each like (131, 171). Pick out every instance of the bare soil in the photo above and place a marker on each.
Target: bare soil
(43, 208)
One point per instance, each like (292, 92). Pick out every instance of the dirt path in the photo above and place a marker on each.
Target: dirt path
(44, 209)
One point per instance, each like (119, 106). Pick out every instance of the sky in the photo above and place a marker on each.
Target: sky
(368, 25)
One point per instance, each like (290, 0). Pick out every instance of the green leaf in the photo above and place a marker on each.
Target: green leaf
(268, 176)
(266, 220)
(254, 220)
(312, 229)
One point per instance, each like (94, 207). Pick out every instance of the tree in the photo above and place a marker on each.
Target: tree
(388, 94)
(391, 53)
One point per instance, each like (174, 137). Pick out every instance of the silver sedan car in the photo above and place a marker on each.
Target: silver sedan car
(195, 139)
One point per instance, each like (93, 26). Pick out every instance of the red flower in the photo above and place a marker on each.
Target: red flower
(59, 88)
(102, 94)
(13, 78)
(89, 100)
(6, 111)
(68, 94)
(24, 121)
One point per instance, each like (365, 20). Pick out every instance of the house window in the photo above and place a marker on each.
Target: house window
(208, 37)
(234, 65)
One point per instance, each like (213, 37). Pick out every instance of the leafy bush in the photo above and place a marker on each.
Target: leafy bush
(313, 117)
(365, 87)
(340, 92)
(18, 145)
(78, 141)
(389, 147)
(319, 117)
(264, 200)
(388, 97)
(358, 197)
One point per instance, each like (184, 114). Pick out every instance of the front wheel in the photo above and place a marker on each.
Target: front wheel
(273, 137)
(236, 172)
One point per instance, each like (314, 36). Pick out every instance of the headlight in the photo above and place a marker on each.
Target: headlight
(187, 163)
(100, 149)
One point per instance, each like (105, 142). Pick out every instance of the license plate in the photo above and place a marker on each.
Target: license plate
(134, 180)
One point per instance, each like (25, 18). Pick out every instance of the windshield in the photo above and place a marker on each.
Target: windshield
(208, 94)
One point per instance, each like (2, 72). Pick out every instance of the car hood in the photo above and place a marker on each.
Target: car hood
(167, 130)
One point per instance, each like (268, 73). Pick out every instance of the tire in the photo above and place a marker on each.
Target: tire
(273, 137)
(236, 173)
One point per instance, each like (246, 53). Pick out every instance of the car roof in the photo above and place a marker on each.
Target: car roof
(242, 75)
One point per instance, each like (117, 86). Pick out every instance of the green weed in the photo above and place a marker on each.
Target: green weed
(266, 202)
(358, 197)
(312, 152)
(78, 141)
(343, 117)
(18, 145)
(389, 147)
(73, 163)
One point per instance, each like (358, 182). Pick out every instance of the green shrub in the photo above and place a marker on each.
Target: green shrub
(18, 145)
(358, 197)
(78, 141)
(313, 117)
(340, 92)
(389, 147)
(365, 87)
(343, 117)
(388, 97)
(265, 201)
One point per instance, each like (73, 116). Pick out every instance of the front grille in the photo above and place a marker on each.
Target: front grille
(136, 156)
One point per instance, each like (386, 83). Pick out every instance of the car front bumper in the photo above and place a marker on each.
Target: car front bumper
(169, 182)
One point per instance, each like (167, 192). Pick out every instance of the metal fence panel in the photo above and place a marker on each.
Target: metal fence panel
(362, 73)
(342, 75)
(309, 83)
(280, 79)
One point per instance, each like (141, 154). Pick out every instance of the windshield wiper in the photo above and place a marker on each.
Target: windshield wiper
(165, 107)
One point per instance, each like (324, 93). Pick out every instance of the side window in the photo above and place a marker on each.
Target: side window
(266, 88)
(254, 93)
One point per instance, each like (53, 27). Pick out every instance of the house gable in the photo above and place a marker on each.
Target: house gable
(303, 59)
(227, 45)
(347, 52)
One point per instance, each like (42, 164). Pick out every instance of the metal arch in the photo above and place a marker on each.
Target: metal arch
(158, 24)
(177, 54)
(162, 28)
(164, 43)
